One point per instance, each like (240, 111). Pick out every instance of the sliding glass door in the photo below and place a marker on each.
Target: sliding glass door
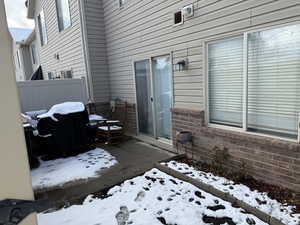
(154, 96)
(162, 95)
(144, 97)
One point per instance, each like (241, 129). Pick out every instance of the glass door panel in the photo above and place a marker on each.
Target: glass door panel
(144, 96)
(161, 69)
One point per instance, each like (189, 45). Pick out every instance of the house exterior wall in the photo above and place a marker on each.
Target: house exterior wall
(143, 29)
(35, 65)
(95, 37)
(14, 166)
(67, 43)
(18, 68)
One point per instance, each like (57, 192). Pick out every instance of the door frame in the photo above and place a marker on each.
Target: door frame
(150, 59)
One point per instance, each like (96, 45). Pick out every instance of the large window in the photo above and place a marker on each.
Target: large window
(42, 28)
(254, 81)
(63, 14)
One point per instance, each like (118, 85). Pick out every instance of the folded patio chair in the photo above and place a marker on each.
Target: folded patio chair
(114, 129)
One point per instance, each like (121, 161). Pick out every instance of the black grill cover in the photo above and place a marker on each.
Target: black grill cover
(70, 135)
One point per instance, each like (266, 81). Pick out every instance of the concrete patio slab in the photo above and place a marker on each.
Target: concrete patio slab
(134, 158)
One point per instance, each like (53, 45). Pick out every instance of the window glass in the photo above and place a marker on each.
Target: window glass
(63, 14)
(42, 28)
(272, 101)
(144, 99)
(274, 81)
(225, 82)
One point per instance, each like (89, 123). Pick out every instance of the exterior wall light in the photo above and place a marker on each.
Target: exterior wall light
(182, 65)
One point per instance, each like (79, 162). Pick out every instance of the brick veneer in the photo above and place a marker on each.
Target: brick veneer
(131, 119)
(269, 159)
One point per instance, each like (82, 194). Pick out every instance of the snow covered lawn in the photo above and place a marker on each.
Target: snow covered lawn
(241, 192)
(152, 199)
(61, 171)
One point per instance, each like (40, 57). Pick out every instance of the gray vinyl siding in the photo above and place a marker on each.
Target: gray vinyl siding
(143, 29)
(95, 32)
(67, 43)
(37, 57)
(19, 70)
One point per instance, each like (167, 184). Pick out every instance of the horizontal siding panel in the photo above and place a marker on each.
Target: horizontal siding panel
(68, 43)
(94, 17)
(144, 29)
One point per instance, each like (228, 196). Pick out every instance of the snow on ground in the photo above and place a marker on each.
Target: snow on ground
(94, 117)
(60, 171)
(152, 199)
(242, 192)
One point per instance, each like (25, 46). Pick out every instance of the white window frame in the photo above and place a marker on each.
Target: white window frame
(60, 29)
(43, 39)
(245, 86)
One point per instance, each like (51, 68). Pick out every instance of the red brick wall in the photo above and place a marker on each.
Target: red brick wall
(268, 159)
(131, 119)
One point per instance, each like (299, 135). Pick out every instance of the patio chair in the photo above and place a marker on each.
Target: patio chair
(113, 129)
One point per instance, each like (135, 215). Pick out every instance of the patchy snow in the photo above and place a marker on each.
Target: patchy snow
(152, 199)
(63, 109)
(60, 171)
(256, 199)
(105, 128)
(94, 117)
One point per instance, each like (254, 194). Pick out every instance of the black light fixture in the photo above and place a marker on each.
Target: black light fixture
(181, 65)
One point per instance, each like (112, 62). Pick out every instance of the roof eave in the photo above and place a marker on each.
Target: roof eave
(30, 38)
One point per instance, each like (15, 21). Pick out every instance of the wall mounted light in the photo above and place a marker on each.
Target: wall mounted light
(182, 65)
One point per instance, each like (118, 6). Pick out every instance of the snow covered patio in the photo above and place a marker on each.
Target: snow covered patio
(152, 199)
(106, 166)
(63, 171)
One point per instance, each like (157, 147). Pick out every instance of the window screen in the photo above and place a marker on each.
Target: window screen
(274, 80)
(225, 82)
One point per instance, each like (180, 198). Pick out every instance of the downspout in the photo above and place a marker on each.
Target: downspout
(86, 54)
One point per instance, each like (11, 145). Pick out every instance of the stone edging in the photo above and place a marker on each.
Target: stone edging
(225, 196)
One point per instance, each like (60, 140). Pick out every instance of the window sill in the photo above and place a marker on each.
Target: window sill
(64, 30)
(253, 134)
